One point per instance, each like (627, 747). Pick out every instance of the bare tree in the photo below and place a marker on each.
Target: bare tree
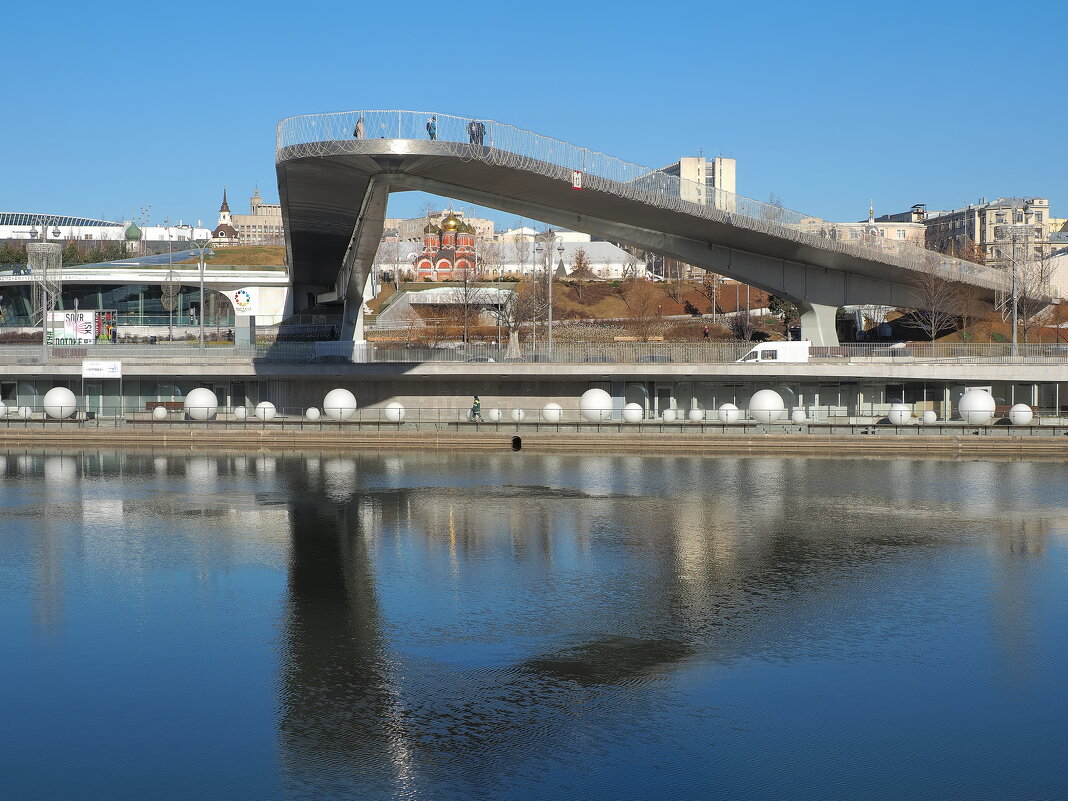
(515, 311)
(938, 301)
(709, 287)
(581, 269)
(469, 301)
(641, 299)
(1032, 291)
(490, 259)
(673, 284)
(741, 325)
(522, 249)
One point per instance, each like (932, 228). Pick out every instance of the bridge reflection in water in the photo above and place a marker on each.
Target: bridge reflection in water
(597, 626)
(443, 633)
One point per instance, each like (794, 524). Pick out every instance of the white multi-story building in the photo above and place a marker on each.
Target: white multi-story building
(33, 227)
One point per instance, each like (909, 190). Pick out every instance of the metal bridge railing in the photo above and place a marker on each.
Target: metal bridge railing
(331, 356)
(317, 135)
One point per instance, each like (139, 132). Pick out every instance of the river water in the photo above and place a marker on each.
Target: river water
(515, 626)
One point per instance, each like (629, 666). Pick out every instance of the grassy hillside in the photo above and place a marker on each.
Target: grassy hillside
(250, 256)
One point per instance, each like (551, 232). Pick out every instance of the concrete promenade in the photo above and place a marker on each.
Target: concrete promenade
(963, 442)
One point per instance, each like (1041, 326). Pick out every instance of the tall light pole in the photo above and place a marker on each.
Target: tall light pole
(1014, 232)
(560, 250)
(201, 244)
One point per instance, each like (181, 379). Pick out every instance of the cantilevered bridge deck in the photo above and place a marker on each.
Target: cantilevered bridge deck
(334, 187)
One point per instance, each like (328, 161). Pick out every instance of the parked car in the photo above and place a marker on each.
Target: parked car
(658, 358)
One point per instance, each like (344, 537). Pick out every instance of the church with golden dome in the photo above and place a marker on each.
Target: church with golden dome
(448, 251)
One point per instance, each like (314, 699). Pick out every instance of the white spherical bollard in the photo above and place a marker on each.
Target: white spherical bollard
(339, 404)
(312, 415)
(899, 414)
(552, 413)
(976, 407)
(201, 404)
(518, 415)
(265, 411)
(929, 417)
(240, 413)
(668, 415)
(3, 409)
(59, 403)
(25, 412)
(394, 412)
(633, 413)
(766, 406)
(494, 415)
(1021, 415)
(798, 415)
(159, 413)
(695, 415)
(595, 405)
(729, 413)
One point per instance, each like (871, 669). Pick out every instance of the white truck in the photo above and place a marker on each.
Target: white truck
(779, 352)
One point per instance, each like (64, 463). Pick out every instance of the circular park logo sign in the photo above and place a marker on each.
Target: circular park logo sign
(242, 300)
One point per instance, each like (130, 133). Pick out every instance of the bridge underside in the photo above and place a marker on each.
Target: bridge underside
(334, 209)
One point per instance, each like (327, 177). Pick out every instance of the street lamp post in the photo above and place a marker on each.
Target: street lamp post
(560, 250)
(201, 244)
(1014, 233)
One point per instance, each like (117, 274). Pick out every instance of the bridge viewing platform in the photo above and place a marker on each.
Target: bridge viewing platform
(334, 187)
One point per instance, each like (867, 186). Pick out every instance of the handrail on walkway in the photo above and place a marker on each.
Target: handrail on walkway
(330, 134)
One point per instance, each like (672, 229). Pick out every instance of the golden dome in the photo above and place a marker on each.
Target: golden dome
(450, 223)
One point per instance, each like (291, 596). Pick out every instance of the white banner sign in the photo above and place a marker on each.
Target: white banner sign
(576, 179)
(98, 369)
(246, 301)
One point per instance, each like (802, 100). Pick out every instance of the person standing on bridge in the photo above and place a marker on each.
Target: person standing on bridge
(476, 410)
(432, 128)
(358, 131)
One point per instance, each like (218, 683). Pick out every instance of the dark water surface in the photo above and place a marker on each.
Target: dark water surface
(454, 626)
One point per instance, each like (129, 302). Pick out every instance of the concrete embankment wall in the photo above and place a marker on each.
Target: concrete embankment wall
(229, 439)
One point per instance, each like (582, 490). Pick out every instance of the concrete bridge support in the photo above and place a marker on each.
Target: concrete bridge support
(818, 323)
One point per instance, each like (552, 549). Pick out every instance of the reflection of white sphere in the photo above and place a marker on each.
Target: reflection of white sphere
(766, 406)
(552, 413)
(240, 413)
(899, 414)
(1021, 414)
(518, 415)
(976, 407)
(668, 415)
(929, 418)
(312, 414)
(494, 415)
(25, 412)
(695, 415)
(159, 413)
(201, 404)
(633, 413)
(265, 411)
(395, 412)
(339, 404)
(729, 413)
(595, 405)
(798, 415)
(60, 403)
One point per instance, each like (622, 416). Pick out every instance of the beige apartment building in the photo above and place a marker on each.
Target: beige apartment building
(262, 225)
(986, 224)
(710, 182)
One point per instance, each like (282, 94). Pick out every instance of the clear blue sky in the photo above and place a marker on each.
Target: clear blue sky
(114, 106)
